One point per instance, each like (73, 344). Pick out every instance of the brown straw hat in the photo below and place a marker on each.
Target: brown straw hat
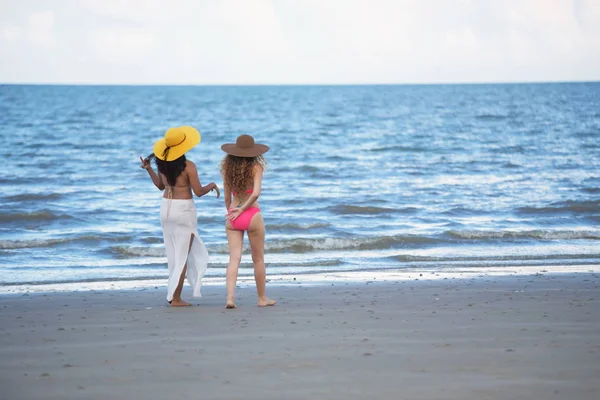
(244, 146)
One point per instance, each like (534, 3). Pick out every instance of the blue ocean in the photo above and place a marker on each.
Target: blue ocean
(360, 179)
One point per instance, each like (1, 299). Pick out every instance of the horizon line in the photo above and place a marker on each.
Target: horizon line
(298, 84)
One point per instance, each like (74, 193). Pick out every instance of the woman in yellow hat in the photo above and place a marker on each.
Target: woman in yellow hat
(242, 169)
(178, 177)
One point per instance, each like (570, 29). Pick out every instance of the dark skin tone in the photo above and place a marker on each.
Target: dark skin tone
(187, 182)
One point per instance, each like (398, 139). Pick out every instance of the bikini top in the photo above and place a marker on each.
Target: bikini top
(170, 190)
(171, 187)
(249, 191)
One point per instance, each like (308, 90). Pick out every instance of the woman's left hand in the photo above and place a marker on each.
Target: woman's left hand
(234, 213)
(217, 189)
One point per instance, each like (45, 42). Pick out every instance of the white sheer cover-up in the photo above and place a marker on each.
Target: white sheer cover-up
(179, 222)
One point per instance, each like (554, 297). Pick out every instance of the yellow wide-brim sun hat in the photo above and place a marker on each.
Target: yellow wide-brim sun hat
(177, 142)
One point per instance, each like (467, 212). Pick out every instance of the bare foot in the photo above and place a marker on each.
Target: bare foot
(179, 303)
(266, 302)
(230, 303)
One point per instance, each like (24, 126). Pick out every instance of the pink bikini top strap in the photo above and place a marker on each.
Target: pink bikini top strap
(249, 191)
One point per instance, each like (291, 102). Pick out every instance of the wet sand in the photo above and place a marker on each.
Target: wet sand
(517, 337)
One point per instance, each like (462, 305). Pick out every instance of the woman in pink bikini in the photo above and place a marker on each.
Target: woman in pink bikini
(242, 170)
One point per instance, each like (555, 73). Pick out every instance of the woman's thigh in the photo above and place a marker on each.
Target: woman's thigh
(235, 240)
(256, 236)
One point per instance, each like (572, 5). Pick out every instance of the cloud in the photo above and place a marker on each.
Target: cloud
(122, 45)
(40, 29)
(140, 11)
(11, 33)
(587, 13)
(308, 41)
(37, 30)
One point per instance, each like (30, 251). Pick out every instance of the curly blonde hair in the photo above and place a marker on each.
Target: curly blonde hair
(238, 172)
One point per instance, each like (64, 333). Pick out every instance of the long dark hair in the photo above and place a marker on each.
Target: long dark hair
(170, 169)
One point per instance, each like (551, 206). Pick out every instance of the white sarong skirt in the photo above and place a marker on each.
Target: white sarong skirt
(179, 224)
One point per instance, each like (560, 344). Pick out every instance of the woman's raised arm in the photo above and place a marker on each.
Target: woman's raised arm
(156, 179)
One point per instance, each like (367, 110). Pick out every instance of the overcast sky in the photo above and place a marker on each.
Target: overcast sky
(298, 41)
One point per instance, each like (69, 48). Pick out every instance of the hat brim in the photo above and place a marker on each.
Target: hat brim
(234, 150)
(192, 138)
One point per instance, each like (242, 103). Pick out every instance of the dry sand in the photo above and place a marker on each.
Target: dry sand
(521, 337)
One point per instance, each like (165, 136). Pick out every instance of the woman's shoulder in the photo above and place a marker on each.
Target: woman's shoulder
(190, 164)
(258, 169)
(189, 170)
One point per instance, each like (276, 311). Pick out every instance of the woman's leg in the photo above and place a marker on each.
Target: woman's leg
(235, 239)
(256, 236)
(177, 302)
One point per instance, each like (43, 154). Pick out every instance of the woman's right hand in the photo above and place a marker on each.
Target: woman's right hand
(233, 213)
(145, 163)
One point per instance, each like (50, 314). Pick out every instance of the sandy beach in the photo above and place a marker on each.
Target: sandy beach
(518, 337)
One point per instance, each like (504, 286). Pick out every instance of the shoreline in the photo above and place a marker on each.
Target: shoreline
(490, 337)
(314, 279)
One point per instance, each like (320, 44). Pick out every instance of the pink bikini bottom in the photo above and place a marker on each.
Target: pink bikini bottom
(242, 223)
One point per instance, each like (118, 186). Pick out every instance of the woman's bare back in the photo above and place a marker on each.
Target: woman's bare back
(182, 188)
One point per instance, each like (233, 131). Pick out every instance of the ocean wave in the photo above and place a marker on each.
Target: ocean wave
(24, 124)
(338, 157)
(595, 190)
(308, 168)
(302, 245)
(292, 265)
(512, 165)
(76, 121)
(588, 134)
(509, 150)
(87, 280)
(152, 239)
(294, 246)
(36, 243)
(521, 257)
(18, 180)
(296, 227)
(491, 117)
(344, 209)
(531, 234)
(139, 251)
(41, 215)
(161, 273)
(33, 197)
(461, 211)
(308, 245)
(34, 145)
(569, 206)
(26, 244)
(401, 149)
